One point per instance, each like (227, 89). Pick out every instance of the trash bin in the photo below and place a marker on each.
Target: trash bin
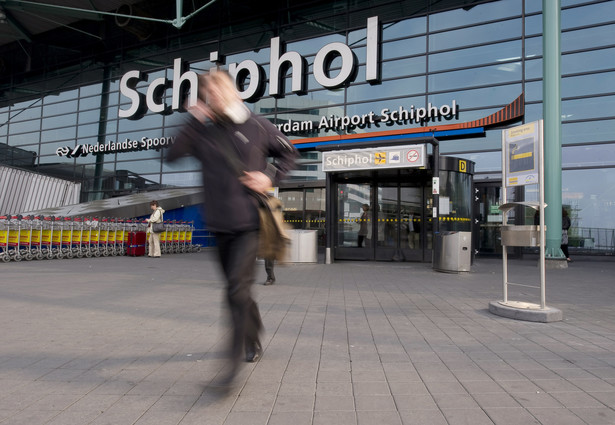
(453, 252)
(303, 246)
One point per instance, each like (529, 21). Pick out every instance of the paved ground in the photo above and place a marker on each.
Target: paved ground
(137, 341)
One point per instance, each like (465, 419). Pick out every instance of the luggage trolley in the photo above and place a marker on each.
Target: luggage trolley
(111, 236)
(193, 247)
(76, 240)
(57, 234)
(175, 240)
(66, 244)
(95, 236)
(103, 237)
(182, 237)
(164, 239)
(36, 234)
(46, 235)
(25, 233)
(86, 237)
(5, 228)
(121, 238)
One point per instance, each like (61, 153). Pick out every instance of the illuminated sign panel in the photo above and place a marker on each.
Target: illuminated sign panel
(408, 156)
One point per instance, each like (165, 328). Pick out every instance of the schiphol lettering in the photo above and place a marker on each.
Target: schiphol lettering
(185, 82)
(386, 116)
(348, 161)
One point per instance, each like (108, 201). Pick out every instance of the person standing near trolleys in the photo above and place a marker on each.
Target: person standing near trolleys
(226, 137)
(154, 238)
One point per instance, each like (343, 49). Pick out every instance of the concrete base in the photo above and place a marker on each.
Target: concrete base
(519, 310)
(555, 263)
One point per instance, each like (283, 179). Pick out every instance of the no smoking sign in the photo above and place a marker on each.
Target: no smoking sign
(412, 155)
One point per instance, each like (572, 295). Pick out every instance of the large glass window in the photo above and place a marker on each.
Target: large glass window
(590, 131)
(591, 107)
(395, 88)
(588, 61)
(501, 52)
(502, 95)
(588, 15)
(592, 84)
(475, 35)
(474, 14)
(495, 74)
(588, 38)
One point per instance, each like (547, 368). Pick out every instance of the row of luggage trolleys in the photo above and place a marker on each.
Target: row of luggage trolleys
(34, 237)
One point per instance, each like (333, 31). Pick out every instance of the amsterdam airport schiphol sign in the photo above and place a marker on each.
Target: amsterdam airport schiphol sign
(408, 156)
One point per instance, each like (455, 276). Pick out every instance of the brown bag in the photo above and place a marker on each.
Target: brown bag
(274, 242)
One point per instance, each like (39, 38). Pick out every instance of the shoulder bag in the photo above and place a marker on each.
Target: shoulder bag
(159, 227)
(273, 242)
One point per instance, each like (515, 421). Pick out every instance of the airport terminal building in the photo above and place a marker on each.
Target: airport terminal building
(379, 97)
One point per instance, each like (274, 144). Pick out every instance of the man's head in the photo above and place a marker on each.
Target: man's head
(218, 90)
(153, 205)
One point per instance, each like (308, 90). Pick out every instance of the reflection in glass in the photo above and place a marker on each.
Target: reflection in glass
(407, 66)
(587, 38)
(533, 25)
(590, 156)
(495, 74)
(92, 102)
(533, 47)
(185, 179)
(593, 131)
(588, 61)
(402, 48)
(533, 69)
(60, 108)
(592, 107)
(474, 15)
(292, 202)
(497, 95)
(60, 134)
(584, 85)
(24, 111)
(404, 28)
(24, 126)
(455, 201)
(590, 15)
(460, 58)
(475, 35)
(351, 198)
(394, 88)
(147, 123)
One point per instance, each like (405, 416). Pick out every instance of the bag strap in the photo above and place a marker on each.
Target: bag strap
(231, 156)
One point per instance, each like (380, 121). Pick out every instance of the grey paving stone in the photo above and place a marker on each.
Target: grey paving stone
(334, 403)
(344, 343)
(555, 416)
(374, 403)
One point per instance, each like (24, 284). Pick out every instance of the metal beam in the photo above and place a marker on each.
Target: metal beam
(178, 22)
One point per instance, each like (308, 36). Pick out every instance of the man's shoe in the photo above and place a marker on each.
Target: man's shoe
(254, 353)
(269, 282)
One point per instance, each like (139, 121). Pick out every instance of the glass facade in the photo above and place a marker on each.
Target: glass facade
(481, 56)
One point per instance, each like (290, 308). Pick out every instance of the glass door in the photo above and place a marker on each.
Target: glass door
(387, 218)
(354, 222)
(411, 218)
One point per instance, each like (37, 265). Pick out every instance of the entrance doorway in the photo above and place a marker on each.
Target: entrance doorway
(383, 218)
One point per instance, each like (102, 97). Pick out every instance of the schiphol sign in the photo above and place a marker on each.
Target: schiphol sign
(386, 116)
(407, 156)
(254, 75)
